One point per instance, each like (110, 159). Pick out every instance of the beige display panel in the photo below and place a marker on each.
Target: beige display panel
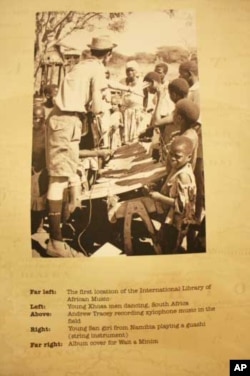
(170, 315)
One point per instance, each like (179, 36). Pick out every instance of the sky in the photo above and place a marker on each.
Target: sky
(144, 32)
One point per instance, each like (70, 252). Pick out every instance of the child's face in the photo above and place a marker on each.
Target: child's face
(161, 72)
(179, 157)
(172, 96)
(131, 75)
(152, 89)
(183, 73)
(114, 106)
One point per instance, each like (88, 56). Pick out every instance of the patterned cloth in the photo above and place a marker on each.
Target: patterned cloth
(133, 113)
(183, 210)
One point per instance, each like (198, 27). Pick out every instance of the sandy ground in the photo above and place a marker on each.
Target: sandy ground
(99, 245)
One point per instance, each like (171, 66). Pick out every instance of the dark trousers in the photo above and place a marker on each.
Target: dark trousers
(168, 238)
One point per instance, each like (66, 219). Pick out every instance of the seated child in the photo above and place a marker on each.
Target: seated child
(177, 195)
(187, 116)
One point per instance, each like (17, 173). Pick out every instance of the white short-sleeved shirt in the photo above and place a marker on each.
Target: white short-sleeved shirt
(84, 83)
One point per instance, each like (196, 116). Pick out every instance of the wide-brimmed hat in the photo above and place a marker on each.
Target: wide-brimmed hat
(101, 43)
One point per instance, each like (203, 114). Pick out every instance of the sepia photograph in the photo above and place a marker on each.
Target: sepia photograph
(125, 143)
(117, 157)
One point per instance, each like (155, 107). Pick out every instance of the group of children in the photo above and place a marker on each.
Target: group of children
(180, 148)
(167, 111)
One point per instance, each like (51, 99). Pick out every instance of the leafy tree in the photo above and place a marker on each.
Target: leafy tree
(53, 27)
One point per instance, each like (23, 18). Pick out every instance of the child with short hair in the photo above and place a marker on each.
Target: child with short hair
(177, 195)
(189, 71)
(178, 89)
(185, 116)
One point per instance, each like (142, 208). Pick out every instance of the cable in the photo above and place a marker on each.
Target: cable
(90, 204)
(89, 220)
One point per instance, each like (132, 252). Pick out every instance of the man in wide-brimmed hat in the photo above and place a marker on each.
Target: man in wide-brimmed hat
(101, 43)
(79, 92)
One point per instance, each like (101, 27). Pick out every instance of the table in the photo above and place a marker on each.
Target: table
(130, 168)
